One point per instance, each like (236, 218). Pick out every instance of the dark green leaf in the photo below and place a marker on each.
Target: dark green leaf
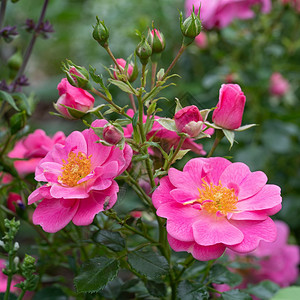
(236, 295)
(148, 263)
(191, 291)
(8, 98)
(50, 293)
(17, 122)
(156, 289)
(264, 290)
(95, 274)
(112, 289)
(23, 102)
(110, 239)
(220, 274)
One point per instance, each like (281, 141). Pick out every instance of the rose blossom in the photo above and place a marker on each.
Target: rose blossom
(276, 261)
(165, 137)
(79, 180)
(72, 97)
(122, 63)
(220, 13)
(214, 204)
(278, 85)
(33, 148)
(229, 111)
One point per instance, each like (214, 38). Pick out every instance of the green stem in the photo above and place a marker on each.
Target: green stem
(2, 12)
(21, 295)
(153, 74)
(106, 47)
(143, 75)
(188, 262)
(10, 273)
(181, 141)
(181, 50)
(132, 102)
(219, 136)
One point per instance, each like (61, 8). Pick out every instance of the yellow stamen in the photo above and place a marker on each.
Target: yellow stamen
(75, 168)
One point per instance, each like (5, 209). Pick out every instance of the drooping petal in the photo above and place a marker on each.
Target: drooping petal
(205, 253)
(162, 193)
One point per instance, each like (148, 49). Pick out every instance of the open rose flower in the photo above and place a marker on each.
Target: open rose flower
(80, 180)
(277, 261)
(74, 98)
(214, 204)
(220, 13)
(32, 149)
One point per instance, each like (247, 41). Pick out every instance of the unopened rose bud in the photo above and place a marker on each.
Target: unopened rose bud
(279, 86)
(122, 64)
(189, 120)
(112, 135)
(229, 111)
(14, 200)
(156, 40)
(101, 33)
(143, 51)
(73, 102)
(191, 26)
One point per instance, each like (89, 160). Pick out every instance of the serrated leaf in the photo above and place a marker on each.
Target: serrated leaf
(148, 263)
(229, 134)
(264, 290)
(167, 123)
(110, 239)
(289, 293)
(112, 289)
(236, 295)
(221, 275)
(9, 99)
(95, 274)
(156, 289)
(121, 85)
(191, 291)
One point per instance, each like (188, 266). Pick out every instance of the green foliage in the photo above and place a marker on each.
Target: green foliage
(192, 291)
(235, 295)
(221, 275)
(110, 239)
(291, 293)
(264, 290)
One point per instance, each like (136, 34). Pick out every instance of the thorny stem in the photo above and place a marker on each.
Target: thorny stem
(153, 73)
(181, 50)
(219, 136)
(2, 12)
(31, 44)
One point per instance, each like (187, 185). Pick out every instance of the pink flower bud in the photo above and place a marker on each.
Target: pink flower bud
(112, 135)
(136, 214)
(201, 40)
(278, 85)
(74, 98)
(189, 120)
(122, 63)
(229, 111)
(156, 40)
(14, 200)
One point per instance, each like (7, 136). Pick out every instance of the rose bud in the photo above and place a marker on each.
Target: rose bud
(73, 102)
(190, 27)
(101, 33)
(156, 40)
(143, 51)
(189, 120)
(112, 135)
(229, 111)
(14, 200)
(278, 85)
(122, 64)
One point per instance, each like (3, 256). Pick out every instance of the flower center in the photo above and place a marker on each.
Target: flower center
(217, 199)
(75, 168)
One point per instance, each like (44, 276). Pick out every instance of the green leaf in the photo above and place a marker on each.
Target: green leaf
(264, 290)
(17, 122)
(156, 289)
(112, 289)
(167, 123)
(236, 295)
(178, 105)
(95, 274)
(181, 154)
(50, 293)
(8, 98)
(24, 103)
(148, 263)
(245, 127)
(289, 293)
(122, 86)
(229, 134)
(220, 274)
(191, 291)
(110, 239)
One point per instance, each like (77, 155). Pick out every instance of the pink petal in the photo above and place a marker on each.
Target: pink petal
(77, 192)
(107, 197)
(205, 253)
(249, 215)
(211, 230)
(218, 165)
(177, 245)
(52, 215)
(234, 174)
(76, 142)
(182, 180)
(38, 194)
(182, 196)
(254, 232)
(162, 193)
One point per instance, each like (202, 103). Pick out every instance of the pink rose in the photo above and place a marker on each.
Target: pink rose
(220, 13)
(229, 111)
(72, 97)
(278, 85)
(214, 204)
(112, 135)
(189, 120)
(201, 40)
(122, 63)
(79, 180)
(156, 40)
(33, 148)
